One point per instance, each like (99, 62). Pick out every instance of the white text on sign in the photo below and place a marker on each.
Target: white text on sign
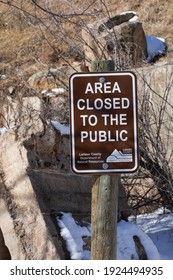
(116, 103)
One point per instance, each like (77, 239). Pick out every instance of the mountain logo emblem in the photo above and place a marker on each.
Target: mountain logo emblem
(120, 156)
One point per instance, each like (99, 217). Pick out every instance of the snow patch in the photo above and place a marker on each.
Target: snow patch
(126, 247)
(58, 90)
(159, 227)
(64, 129)
(73, 234)
(53, 92)
(3, 130)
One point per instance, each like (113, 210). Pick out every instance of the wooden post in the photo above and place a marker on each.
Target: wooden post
(104, 217)
(102, 66)
(104, 201)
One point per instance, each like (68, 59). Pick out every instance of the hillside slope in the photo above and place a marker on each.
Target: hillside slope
(31, 40)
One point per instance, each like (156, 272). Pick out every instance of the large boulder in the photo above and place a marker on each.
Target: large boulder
(34, 234)
(155, 112)
(119, 38)
(49, 158)
(53, 77)
(155, 102)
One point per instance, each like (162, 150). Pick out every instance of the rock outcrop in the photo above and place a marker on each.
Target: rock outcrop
(119, 38)
(29, 227)
(53, 77)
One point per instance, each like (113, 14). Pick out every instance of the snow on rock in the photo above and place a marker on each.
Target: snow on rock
(155, 46)
(50, 94)
(73, 233)
(3, 130)
(53, 92)
(58, 90)
(159, 226)
(126, 246)
(133, 19)
(64, 129)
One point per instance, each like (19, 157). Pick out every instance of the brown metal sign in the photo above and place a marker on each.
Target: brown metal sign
(103, 109)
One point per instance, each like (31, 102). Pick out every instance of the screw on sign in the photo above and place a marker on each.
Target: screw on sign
(103, 109)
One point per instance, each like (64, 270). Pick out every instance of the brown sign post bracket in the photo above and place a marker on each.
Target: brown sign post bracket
(104, 137)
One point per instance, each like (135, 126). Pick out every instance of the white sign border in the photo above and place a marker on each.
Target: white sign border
(72, 125)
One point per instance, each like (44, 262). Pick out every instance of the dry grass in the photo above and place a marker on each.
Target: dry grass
(23, 44)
